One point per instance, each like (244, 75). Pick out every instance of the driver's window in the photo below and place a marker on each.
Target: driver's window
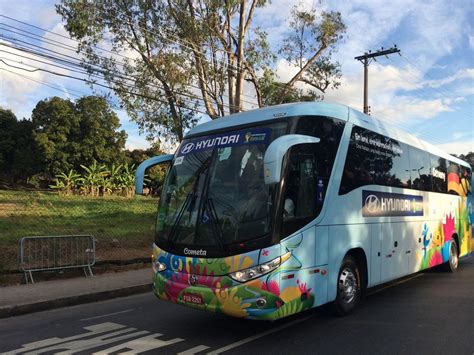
(301, 198)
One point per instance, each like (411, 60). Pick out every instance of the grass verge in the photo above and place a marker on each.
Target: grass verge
(123, 226)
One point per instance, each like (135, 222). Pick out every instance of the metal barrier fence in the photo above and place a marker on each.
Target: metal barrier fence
(56, 252)
(123, 228)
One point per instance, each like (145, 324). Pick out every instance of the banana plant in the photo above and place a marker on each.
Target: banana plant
(93, 178)
(127, 180)
(114, 177)
(66, 183)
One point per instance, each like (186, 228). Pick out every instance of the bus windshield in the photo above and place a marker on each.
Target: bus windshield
(214, 197)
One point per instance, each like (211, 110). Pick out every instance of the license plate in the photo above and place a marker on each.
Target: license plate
(192, 298)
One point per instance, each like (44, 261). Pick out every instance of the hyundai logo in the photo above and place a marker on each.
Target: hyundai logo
(372, 203)
(187, 148)
(193, 279)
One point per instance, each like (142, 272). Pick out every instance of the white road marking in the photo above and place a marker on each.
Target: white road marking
(108, 315)
(394, 284)
(257, 336)
(93, 330)
(76, 346)
(140, 345)
(127, 341)
(194, 350)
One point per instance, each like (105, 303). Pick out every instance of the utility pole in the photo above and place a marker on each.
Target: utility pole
(365, 60)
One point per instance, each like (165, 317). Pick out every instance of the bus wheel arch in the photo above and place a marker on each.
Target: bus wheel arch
(351, 281)
(452, 264)
(456, 239)
(361, 259)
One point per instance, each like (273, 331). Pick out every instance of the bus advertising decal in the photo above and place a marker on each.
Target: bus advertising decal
(222, 140)
(384, 204)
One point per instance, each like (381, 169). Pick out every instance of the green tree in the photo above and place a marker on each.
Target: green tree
(98, 138)
(17, 149)
(69, 135)
(8, 125)
(54, 124)
(469, 157)
(25, 159)
(311, 59)
(190, 54)
(155, 175)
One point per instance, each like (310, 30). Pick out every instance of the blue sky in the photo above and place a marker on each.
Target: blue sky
(428, 90)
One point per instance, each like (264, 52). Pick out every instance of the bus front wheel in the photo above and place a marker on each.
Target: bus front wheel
(349, 288)
(453, 261)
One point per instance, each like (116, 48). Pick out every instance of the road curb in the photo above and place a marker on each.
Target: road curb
(16, 310)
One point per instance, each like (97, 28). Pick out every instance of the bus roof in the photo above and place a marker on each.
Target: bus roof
(338, 111)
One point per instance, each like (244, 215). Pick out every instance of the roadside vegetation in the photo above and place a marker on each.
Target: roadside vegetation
(25, 213)
(122, 226)
(97, 180)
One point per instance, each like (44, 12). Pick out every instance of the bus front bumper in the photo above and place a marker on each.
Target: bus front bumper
(255, 299)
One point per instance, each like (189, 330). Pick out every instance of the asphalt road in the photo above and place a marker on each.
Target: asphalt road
(427, 313)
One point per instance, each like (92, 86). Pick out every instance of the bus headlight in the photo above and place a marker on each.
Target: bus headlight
(158, 267)
(259, 270)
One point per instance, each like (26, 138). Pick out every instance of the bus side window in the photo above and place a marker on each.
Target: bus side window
(439, 174)
(464, 180)
(420, 167)
(300, 198)
(454, 183)
(375, 159)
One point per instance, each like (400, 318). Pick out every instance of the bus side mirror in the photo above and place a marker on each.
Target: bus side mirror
(273, 160)
(140, 173)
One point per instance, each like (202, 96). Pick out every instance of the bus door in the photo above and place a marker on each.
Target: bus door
(395, 260)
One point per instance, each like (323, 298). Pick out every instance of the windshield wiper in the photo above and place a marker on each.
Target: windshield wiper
(185, 204)
(189, 202)
(218, 233)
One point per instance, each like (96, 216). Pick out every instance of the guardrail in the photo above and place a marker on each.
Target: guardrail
(44, 253)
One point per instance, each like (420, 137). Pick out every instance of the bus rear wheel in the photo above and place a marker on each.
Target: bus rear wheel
(453, 260)
(349, 288)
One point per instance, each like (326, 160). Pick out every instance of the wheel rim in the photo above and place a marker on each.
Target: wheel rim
(348, 285)
(453, 256)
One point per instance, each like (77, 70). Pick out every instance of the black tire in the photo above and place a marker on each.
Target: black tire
(453, 262)
(349, 287)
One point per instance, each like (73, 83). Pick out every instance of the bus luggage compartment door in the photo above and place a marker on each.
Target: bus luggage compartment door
(395, 260)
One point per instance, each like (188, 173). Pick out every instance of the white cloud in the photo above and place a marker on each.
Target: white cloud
(459, 147)
(136, 142)
(403, 109)
(41, 13)
(15, 88)
(58, 40)
(459, 75)
(428, 33)
(425, 32)
(385, 99)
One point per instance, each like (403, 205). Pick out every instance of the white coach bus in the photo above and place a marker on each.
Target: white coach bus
(270, 212)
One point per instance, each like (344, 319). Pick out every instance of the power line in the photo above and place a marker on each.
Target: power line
(178, 40)
(101, 85)
(65, 90)
(130, 86)
(52, 42)
(123, 56)
(70, 65)
(62, 88)
(58, 34)
(94, 68)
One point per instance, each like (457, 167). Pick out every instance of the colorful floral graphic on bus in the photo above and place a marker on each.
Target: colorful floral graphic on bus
(205, 284)
(436, 241)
